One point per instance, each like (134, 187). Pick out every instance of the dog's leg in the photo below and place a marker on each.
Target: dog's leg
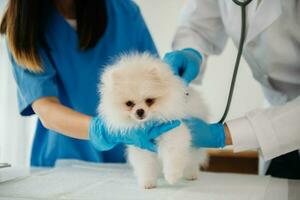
(192, 168)
(198, 157)
(173, 149)
(145, 165)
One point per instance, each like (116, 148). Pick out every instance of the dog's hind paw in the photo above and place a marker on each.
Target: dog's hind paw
(191, 178)
(173, 177)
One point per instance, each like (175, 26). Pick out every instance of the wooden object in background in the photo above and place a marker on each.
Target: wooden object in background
(227, 161)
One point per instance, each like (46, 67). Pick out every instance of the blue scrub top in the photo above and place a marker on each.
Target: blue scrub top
(72, 76)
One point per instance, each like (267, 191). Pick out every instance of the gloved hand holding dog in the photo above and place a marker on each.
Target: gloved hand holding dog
(142, 137)
(186, 64)
(206, 135)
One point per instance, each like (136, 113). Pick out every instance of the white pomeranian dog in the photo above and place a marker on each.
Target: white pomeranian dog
(138, 88)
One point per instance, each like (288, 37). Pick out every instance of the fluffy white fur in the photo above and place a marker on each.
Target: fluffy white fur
(136, 78)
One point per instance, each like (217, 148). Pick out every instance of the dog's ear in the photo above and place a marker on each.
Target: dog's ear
(156, 73)
(115, 76)
(110, 77)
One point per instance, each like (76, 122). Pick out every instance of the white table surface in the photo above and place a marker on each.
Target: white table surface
(81, 180)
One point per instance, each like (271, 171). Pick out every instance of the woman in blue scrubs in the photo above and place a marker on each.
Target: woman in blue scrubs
(58, 50)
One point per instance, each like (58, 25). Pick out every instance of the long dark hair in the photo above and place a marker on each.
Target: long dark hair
(22, 23)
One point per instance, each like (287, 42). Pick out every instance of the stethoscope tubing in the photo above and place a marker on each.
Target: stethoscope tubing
(243, 5)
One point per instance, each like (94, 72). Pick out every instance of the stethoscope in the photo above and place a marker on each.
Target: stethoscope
(243, 5)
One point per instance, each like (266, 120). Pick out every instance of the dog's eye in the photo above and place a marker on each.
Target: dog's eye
(150, 101)
(129, 104)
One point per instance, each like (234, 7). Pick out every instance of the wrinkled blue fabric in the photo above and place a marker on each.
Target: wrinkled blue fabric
(72, 76)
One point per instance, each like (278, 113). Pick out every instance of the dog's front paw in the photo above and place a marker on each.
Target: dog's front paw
(148, 184)
(173, 176)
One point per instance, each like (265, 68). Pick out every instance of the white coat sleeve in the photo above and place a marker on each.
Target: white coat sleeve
(274, 131)
(201, 27)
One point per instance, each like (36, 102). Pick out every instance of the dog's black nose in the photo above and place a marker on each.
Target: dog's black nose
(140, 112)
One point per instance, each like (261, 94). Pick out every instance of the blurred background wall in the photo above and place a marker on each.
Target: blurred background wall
(16, 133)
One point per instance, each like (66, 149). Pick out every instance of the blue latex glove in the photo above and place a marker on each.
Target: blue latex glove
(206, 135)
(142, 137)
(184, 63)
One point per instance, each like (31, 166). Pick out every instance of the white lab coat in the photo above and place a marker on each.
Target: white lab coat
(272, 50)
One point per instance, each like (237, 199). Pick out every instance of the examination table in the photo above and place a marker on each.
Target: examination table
(73, 179)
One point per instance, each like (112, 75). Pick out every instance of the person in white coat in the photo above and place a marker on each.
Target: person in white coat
(272, 50)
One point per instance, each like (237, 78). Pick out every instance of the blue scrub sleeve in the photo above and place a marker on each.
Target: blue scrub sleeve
(145, 40)
(32, 86)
